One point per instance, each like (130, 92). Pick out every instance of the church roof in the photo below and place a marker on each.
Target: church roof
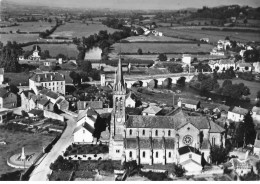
(215, 128)
(148, 143)
(119, 83)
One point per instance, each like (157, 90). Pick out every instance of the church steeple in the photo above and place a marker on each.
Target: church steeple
(119, 84)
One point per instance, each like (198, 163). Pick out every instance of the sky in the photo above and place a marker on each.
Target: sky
(139, 4)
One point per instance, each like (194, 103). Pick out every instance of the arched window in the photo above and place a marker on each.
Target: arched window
(130, 132)
(143, 154)
(169, 133)
(156, 132)
(170, 154)
(156, 154)
(143, 132)
(130, 154)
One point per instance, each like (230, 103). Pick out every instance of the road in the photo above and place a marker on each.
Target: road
(43, 169)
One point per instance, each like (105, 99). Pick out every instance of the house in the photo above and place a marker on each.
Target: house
(240, 167)
(190, 159)
(5, 114)
(204, 40)
(256, 114)
(83, 134)
(223, 44)
(44, 104)
(241, 53)
(26, 96)
(35, 55)
(243, 67)
(7, 99)
(221, 64)
(35, 113)
(49, 63)
(222, 110)
(82, 105)
(256, 149)
(151, 111)
(2, 72)
(87, 116)
(237, 114)
(217, 53)
(50, 80)
(130, 100)
(186, 58)
(256, 66)
(188, 103)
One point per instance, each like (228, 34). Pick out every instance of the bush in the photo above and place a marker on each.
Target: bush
(155, 176)
(178, 170)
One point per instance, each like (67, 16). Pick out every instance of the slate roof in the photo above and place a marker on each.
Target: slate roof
(89, 112)
(81, 105)
(43, 101)
(189, 101)
(238, 110)
(131, 95)
(188, 161)
(47, 77)
(169, 143)
(187, 149)
(256, 110)
(36, 112)
(135, 121)
(223, 108)
(148, 143)
(152, 110)
(3, 92)
(200, 122)
(49, 93)
(215, 128)
(28, 93)
(85, 126)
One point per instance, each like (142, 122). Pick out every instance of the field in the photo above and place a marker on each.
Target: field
(54, 49)
(19, 38)
(17, 78)
(29, 27)
(15, 142)
(214, 36)
(76, 29)
(253, 86)
(152, 38)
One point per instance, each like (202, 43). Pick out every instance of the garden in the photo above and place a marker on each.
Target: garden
(79, 149)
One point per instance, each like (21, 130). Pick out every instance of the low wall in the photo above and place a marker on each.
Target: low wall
(52, 115)
(154, 170)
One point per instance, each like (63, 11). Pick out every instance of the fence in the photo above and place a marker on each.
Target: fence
(52, 115)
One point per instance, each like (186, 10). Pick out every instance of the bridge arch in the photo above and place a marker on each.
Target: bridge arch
(153, 83)
(138, 84)
(167, 83)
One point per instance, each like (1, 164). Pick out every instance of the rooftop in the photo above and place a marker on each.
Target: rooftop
(256, 110)
(238, 110)
(189, 101)
(49, 93)
(152, 110)
(187, 149)
(47, 77)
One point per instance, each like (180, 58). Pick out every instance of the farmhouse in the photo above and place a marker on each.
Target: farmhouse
(188, 103)
(221, 65)
(242, 66)
(237, 114)
(7, 99)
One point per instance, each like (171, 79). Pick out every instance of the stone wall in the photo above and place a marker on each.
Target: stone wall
(52, 115)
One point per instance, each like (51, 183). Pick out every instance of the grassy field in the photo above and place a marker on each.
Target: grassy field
(214, 36)
(55, 49)
(161, 47)
(77, 29)
(253, 86)
(15, 142)
(19, 38)
(17, 78)
(30, 27)
(152, 38)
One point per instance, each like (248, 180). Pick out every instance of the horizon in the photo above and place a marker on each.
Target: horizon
(136, 4)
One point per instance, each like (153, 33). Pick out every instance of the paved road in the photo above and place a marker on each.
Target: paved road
(43, 169)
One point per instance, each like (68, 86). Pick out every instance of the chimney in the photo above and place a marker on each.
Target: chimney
(51, 77)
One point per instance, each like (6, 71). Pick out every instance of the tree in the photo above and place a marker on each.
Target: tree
(181, 81)
(257, 165)
(75, 77)
(61, 56)
(140, 31)
(218, 154)
(179, 170)
(258, 94)
(139, 51)
(86, 66)
(162, 57)
(226, 83)
(249, 129)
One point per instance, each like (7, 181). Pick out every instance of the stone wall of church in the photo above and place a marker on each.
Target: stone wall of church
(190, 130)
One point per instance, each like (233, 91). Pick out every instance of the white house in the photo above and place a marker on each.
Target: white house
(240, 167)
(256, 66)
(216, 52)
(2, 72)
(257, 143)
(244, 67)
(151, 111)
(130, 100)
(188, 103)
(83, 134)
(222, 44)
(186, 58)
(256, 114)
(237, 114)
(221, 64)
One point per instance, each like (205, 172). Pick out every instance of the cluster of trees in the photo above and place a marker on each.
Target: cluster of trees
(44, 54)
(49, 32)
(181, 81)
(218, 154)
(234, 91)
(226, 74)
(162, 57)
(251, 55)
(202, 67)
(9, 56)
(246, 76)
(207, 83)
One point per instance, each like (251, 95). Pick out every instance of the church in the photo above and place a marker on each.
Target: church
(174, 138)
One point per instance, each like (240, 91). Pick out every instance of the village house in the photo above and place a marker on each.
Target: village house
(237, 114)
(221, 64)
(243, 67)
(50, 80)
(49, 62)
(188, 103)
(82, 105)
(256, 66)
(216, 52)
(5, 114)
(130, 100)
(240, 167)
(26, 96)
(7, 99)
(35, 113)
(223, 44)
(151, 111)
(256, 149)
(186, 58)
(222, 110)
(256, 114)
(2, 72)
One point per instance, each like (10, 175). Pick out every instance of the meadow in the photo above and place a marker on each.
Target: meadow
(214, 36)
(76, 29)
(152, 38)
(161, 47)
(19, 38)
(29, 27)
(15, 142)
(55, 49)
